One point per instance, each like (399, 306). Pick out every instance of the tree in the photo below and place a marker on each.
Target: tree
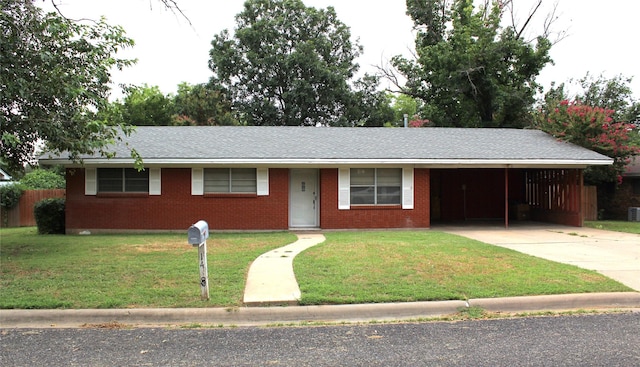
(43, 179)
(286, 64)
(146, 106)
(402, 105)
(55, 75)
(202, 104)
(369, 107)
(601, 116)
(614, 94)
(592, 128)
(469, 69)
(170, 5)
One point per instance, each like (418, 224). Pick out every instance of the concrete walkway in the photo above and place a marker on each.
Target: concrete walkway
(614, 254)
(271, 280)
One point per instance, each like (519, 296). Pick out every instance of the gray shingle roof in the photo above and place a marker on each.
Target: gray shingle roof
(413, 145)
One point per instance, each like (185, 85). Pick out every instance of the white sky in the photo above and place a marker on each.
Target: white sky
(602, 38)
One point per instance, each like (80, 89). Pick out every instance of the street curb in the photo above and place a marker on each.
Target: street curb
(253, 316)
(559, 302)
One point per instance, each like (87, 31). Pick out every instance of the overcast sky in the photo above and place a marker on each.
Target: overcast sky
(601, 38)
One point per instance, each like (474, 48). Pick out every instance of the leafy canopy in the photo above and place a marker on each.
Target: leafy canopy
(595, 129)
(146, 106)
(600, 116)
(43, 179)
(469, 69)
(286, 64)
(202, 105)
(196, 105)
(55, 75)
(612, 93)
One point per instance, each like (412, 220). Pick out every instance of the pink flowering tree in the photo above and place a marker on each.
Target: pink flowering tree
(595, 129)
(416, 121)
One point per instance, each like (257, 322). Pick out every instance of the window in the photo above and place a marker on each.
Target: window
(230, 180)
(122, 180)
(376, 186)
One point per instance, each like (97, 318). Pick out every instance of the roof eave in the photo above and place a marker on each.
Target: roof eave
(336, 162)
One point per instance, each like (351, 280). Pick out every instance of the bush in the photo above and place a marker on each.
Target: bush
(41, 179)
(49, 214)
(10, 195)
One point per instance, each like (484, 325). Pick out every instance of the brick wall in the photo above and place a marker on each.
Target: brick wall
(176, 208)
(615, 200)
(373, 217)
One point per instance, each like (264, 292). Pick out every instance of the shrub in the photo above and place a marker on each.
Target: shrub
(41, 179)
(49, 214)
(10, 195)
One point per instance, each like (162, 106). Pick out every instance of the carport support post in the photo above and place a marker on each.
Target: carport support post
(204, 272)
(506, 197)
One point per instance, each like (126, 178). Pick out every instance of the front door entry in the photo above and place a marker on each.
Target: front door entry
(303, 198)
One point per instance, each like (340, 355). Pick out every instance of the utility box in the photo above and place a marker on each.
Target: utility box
(198, 233)
(634, 214)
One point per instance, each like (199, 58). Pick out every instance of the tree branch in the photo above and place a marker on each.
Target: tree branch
(548, 22)
(169, 4)
(173, 6)
(526, 23)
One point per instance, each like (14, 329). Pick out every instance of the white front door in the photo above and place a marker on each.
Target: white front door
(303, 198)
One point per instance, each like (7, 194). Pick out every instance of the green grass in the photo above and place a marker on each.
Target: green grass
(612, 225)
(363, 267)
(123, 271)
(161, 270)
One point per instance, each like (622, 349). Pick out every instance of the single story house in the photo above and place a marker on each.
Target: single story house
(279, 178)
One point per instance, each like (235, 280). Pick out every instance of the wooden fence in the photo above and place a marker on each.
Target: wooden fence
(590, 203)
(22, 214)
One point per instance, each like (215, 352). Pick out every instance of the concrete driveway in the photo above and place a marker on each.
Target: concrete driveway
(614, 254)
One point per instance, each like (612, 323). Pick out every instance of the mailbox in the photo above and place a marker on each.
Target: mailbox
(198, 233)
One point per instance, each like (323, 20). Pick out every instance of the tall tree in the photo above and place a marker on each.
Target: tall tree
(612, 93)
(601, 114)
(146, 106)
(593, 128)
(369, 107)
(55, 73)
(402, 105)
(469, 69)
(286, 64)
(202, 104)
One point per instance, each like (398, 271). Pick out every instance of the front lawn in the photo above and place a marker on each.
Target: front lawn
(362, 267)
(615, 225)
(161, 270)
(122, 271)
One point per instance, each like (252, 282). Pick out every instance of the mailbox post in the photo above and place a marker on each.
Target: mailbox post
(197, 236)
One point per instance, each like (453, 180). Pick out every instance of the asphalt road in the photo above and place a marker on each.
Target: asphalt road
(588, 340)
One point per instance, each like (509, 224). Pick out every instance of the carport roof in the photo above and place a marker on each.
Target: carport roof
(331, 146)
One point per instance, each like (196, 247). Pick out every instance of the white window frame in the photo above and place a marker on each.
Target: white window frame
(262, 181)
(91, 181)
(376, 186)
(344, 188)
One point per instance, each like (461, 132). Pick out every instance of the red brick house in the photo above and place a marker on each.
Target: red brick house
(278, 178)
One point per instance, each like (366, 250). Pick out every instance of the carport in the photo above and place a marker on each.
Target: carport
(483, 194)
